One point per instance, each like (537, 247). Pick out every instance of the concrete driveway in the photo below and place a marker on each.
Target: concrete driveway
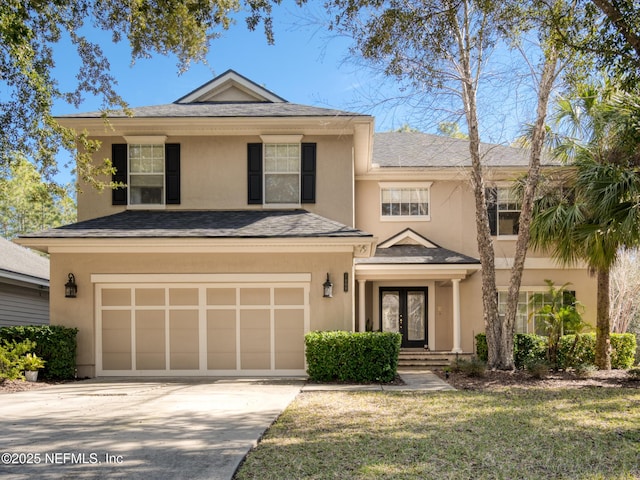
(143, 428)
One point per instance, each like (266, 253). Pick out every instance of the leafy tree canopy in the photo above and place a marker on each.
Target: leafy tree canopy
(610, 31)
(29, 31)
(28, 205)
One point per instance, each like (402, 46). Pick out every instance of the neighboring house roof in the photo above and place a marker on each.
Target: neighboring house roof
(19, 263)
(416, 150)
(409, 247)
(205, 224)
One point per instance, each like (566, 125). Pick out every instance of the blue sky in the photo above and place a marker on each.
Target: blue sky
(307, 65)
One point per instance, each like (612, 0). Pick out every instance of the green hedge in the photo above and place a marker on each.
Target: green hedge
(55, 344)
(571, 352)
(623, 350)
(529, 348)
(352, 357)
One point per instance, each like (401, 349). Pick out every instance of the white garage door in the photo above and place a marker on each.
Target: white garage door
(201, 324)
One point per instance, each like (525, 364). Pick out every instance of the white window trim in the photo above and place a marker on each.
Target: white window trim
(527, 290)
(146, 140)
(405, 218)
(498, 236)
(281, 139)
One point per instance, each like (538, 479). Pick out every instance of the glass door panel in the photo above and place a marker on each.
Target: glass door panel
(390, 301)
(404, 310)
(416, 303)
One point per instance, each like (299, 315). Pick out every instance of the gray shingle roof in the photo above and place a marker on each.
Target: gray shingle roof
(205, 224)
(417, 254)
(411, 149)
(20, 260)
(224, 110)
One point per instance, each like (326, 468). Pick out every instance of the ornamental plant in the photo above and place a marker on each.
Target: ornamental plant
(31, 362)
(559, 313)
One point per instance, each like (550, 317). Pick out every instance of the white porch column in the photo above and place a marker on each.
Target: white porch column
(362, 313)
(456, 315)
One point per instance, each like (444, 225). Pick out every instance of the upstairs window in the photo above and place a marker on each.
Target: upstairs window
(150, 171)
(146, 174)
(404, 201)
(503, 208)
(282, 173)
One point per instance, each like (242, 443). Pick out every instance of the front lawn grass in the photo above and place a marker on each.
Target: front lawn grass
(514, 434)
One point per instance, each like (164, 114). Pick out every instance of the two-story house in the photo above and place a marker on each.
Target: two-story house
(248, 221)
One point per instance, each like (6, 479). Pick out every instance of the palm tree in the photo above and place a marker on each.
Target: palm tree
(597, 210)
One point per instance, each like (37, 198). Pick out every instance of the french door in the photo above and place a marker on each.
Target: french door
(404, 310)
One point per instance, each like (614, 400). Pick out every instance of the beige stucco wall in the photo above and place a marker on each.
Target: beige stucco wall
(214, 176)
(452, 226)
(326, 314)
(452, 222)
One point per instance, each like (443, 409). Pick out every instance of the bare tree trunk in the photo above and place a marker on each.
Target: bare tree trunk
(547, 79)
(624, 290)
(603, 340)
(469, 84)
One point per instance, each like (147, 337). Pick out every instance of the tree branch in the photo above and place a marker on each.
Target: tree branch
(616, 17)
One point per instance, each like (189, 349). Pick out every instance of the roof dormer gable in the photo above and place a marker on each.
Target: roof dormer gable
(231, 87)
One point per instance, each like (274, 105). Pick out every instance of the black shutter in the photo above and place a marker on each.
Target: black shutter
(491, 196)
(254, 173)
(119, 161)
(172, 173)
(308, 178)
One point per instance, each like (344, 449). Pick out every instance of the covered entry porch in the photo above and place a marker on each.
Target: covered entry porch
(419, 289)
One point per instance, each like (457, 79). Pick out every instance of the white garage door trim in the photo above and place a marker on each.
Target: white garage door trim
(202, 282)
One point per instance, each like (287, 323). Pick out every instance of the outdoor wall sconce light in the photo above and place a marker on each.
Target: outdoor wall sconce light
(70, 288)
(327, 288)
(346, 282)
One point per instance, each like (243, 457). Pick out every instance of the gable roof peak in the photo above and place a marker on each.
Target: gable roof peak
(408, 237)
(230, 87)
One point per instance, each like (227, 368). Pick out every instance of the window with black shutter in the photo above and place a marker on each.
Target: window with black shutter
(281, 173)
(503, 209)
(150, 171)
(119, 163)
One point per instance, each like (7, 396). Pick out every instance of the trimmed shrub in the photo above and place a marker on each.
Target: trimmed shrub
(528, 348)
(55, 344)
(352, 356)
(623, 350)
(573, 350)
(577, 350)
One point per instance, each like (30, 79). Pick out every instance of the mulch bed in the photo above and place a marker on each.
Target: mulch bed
(11, 386)
(500, 380)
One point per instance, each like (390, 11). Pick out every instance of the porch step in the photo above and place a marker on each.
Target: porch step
(417, 357)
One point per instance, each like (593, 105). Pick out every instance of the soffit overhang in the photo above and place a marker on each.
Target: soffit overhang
(374, 272)
(117, 127)
(359, 247)
(457, 173)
